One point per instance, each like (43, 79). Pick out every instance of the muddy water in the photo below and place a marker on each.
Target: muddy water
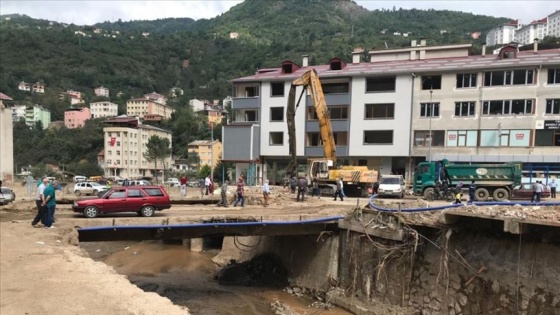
(186, 278)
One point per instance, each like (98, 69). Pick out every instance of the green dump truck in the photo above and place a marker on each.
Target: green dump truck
(492, 180)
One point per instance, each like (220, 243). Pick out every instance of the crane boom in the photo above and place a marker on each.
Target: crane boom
(310, 81)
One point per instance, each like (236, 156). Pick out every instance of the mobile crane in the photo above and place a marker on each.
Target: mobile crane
(324, 170)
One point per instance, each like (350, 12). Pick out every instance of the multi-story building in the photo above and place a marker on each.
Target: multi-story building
(534, 30)
(74, 96)
(197, 105)
(101, 91)
(36, 113)
(156, 97)
(76, 117)
(6, 140)
(38, 87)
(146, 106)
(209, 152)
(103, 109)
(23, 86)
(126, 142)
(554, 24)
(503, 34)
(18, 112)
(405, 106)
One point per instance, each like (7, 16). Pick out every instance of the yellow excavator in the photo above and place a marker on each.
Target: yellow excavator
(356, 179)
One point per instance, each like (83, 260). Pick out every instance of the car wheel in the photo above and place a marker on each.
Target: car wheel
(78, 193)
(147, 211)
(91, 212)
(429, 191)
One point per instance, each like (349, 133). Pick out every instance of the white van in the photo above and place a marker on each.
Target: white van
(391, 185)
(79, 179)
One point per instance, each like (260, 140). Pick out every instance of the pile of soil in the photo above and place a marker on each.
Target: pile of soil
(265, 270)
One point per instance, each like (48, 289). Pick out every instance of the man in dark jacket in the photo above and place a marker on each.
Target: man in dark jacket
(302, 188)
(472, 189)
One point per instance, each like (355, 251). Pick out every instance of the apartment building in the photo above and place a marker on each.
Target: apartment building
(554, 24)
(209, 152)
(74, 96)
(6, 140)
(126, 142)
(38, 87)
(34, 114)
(23, 86)
(76, 117)
(503, 34)
(534, 30)
(146, 106)
(103, 109)
(386, 112)
(101, 91)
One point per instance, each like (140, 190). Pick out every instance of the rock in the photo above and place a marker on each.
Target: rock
(496, 286)
(434, 305)
(457, 308)
(426, 299)
(297, 290)
(462, 299)
(290, 291)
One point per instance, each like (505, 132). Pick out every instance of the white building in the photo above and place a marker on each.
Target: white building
(503, 34)
(23, 86)
(18, 112)
(554, 24)
(197, 105)
(527, 34)
(103, 109)
(6, 140)
(101, 91)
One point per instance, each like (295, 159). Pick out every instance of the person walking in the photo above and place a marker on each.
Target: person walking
(201, 184)
(472, 189)
(266, 193)
(223, 194)
(207, 183)
(39, 203)
(534, 187)
(458, 196)
(302, 188)
(315, 188)
(338, 192)
(552, 186)
(538, 191)
(49, 202)
(240, 197)
(183, 185)
(342, 187)
(293, 184)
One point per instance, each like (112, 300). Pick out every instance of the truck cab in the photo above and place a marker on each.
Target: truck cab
(424, 176)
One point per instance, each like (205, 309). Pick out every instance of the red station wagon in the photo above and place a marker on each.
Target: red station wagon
(144, 200)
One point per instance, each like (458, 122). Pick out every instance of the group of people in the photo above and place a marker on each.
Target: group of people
(46, 203)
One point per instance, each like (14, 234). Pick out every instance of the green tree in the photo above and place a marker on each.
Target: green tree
(205, 170)
(157, 149)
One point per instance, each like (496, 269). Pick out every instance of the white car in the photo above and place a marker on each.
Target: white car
(391, 185)
(80, 178)
(173, 182)
(89, 188)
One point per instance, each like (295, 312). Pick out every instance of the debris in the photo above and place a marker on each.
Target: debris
(40, 243)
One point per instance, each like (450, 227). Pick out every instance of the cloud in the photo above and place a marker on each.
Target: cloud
(91, 12)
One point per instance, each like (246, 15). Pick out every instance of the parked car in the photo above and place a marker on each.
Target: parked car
(89, 188)
(144, 200)
(525, 191)
(391, 185)
(193, 184)
(173, 182)
(79, 179)
(7, 195)
(139, 182)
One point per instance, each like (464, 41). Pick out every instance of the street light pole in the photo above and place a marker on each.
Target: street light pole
(212, 151)
(431, 137)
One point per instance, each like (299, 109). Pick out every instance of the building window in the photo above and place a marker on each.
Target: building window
(314, 139)
(118, 152)
(378, 137)
(118, 143)
(276, 138)
(336, 113)
(547, 138)
(251, 115)
(431, 82)
(380, 84)
(379, 111)
(252, 91)
(462, 138)
(505, 138)
(422, 138)
(429, 109)
(277, 114)
(553, 106)
(466, 80)
(508, 77)
(507, 107)
(334, 88)
(464, 109)
(554, 76)
(277, 89)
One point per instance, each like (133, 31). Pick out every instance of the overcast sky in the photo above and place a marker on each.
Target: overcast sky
(91, 12)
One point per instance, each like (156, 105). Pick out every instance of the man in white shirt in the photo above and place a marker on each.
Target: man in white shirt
(207, 184)
(552, 186)
(38, 201)
(266, 193)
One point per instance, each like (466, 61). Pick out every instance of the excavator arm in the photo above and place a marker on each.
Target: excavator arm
(310, 81)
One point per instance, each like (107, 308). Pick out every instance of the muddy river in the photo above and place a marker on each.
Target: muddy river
(187, 278)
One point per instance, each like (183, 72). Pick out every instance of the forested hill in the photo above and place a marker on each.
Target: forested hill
(199, 56)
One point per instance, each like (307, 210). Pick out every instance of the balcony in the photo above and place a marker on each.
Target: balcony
(246, 102)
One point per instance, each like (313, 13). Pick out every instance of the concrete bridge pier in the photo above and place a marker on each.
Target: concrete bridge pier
(194, 244)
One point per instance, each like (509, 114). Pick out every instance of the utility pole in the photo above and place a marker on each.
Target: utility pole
(430, 134)
(212, 150)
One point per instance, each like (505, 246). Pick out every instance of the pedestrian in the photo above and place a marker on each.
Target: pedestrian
(211, 187)
(375, 188)
(338, 192)
(315, 188)
(240, 193)
(126, 182)
(342, 187)
(207, 184)
(293, 184)
(302, 188)
(472, 189)
(458, 197)
(223, 194)
(534, 187)
(39, 198)
(49, 201)
(459, 188)
(538, 191)
(201, 184)
(266, 193)
(552, 186)
(183, 186)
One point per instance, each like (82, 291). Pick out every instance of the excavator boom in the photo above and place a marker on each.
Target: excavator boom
(310, 81)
